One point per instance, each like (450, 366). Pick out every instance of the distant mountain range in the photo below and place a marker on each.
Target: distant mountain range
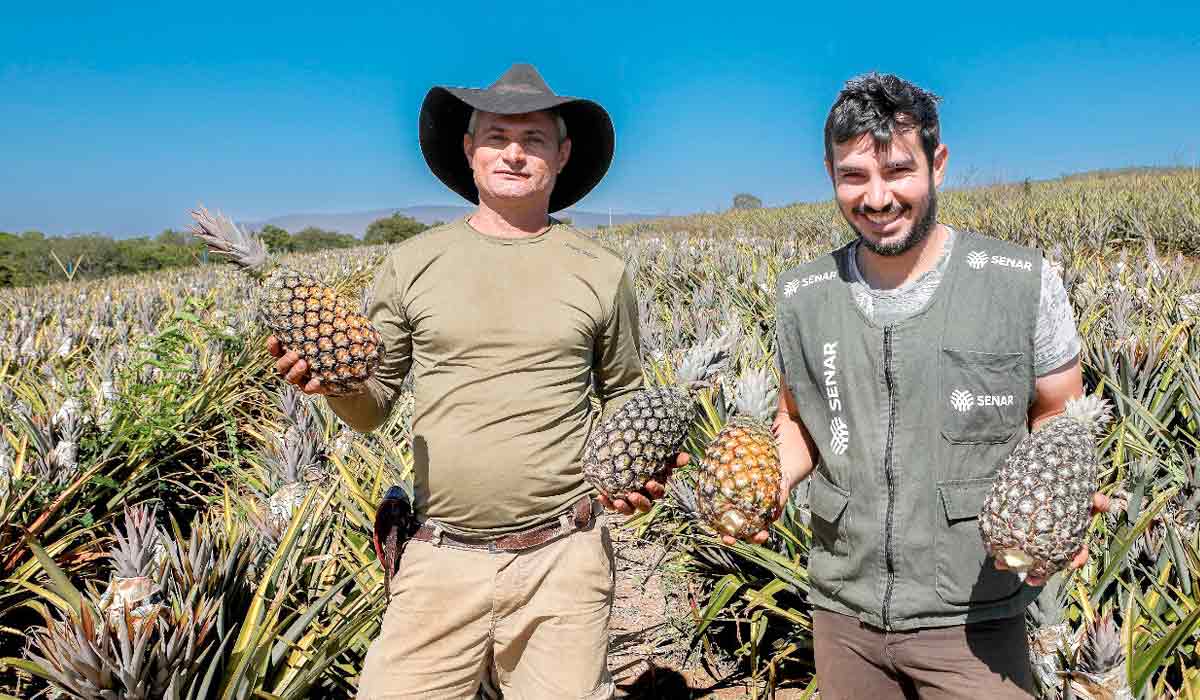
(356, 222)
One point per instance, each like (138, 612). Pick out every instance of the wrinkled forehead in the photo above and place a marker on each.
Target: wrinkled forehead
(865, 149)
(542, 120)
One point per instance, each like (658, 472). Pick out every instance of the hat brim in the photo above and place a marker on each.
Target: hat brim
(443, 121)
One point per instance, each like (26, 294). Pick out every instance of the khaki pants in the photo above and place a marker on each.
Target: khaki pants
(534, 622)
(979, 660)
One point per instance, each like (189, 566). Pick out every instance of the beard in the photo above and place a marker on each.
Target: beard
(919, 232)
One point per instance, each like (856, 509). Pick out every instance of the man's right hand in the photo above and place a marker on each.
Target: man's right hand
(293, 369)
(785, 493)
(797, 455)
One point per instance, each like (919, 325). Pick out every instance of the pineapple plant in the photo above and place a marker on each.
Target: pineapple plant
(134, 590)
(293, 465)
(634, 445)
(1035, 517)
(737, 485)
(1049, 638)
(341, 347)
(1101, 672)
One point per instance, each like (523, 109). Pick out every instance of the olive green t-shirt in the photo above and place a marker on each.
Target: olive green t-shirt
(507, 340)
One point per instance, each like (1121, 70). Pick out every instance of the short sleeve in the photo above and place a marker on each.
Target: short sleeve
(618, 363)
(369, 410)
(1056, 338)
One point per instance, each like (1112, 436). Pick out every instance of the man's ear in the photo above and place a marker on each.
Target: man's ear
(564, 153)
(468, 148)
(941, 155)
(829, 169)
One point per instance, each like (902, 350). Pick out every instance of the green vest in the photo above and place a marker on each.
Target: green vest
(912, 421)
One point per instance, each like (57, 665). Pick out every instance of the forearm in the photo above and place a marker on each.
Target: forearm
(366, 411)
(797, 451)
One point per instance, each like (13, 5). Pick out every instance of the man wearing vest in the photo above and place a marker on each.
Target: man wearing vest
(510, 321)
(873, 339)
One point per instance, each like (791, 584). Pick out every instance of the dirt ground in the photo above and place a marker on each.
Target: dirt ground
(648, 640)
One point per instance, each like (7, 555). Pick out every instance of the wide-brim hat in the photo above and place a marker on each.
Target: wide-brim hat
(446, 111)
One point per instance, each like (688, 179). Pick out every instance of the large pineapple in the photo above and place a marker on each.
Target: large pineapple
(634, 445)
(1036, 516)
(737, 485)
(341, 347)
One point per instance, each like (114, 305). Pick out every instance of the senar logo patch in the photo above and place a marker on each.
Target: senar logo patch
(979, 259)
(962, 400)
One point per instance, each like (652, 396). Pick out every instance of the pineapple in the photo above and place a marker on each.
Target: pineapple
(1036, 516)
(737, 487)
(293, 465)
(341, 347)
(634, 445)
(1101, 670)
(133, 589)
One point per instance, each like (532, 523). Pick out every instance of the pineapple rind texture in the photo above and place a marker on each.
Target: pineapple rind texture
(737, 485)
(1040, 501)
(635, 443)
(341, 347)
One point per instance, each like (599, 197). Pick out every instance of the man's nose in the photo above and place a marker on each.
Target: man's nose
(513, 151)
(878, 197)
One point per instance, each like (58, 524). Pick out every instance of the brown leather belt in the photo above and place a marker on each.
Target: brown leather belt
(578, 518)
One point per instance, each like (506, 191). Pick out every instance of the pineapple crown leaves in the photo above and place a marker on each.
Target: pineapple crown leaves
(704, 360)
(223, 237)
(757, 395)
(1092, 412)
(134, 554)
(292, 454)
(199, 558)
(1101, 651)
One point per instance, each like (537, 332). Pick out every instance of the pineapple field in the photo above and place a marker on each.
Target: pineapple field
(177, 522)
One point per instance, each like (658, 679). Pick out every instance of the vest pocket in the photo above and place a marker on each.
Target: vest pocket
(965, 571)
(983, 396)
(830, 546)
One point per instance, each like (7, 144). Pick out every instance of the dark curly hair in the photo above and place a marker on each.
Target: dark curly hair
(882, 104)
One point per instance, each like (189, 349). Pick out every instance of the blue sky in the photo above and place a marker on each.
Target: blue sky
(118, 117)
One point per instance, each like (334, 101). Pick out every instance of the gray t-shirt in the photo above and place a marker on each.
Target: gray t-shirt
(1056, 340)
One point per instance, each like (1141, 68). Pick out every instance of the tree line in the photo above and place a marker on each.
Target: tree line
(33, 258)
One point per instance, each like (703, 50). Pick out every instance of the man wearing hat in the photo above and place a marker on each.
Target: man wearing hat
(510, 321)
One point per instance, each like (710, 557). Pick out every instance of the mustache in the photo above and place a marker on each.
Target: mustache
(890, 209)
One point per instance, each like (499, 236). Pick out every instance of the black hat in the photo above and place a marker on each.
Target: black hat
(446, 111)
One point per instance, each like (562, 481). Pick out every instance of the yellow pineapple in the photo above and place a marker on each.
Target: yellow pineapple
(737, 485)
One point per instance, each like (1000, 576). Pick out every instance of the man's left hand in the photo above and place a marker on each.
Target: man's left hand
(1100, 504)
(642, 499)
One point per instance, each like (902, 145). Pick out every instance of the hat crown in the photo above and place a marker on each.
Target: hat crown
(521, 78)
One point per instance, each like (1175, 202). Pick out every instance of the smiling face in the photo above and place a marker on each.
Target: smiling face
(516, 157)
(888, 195)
